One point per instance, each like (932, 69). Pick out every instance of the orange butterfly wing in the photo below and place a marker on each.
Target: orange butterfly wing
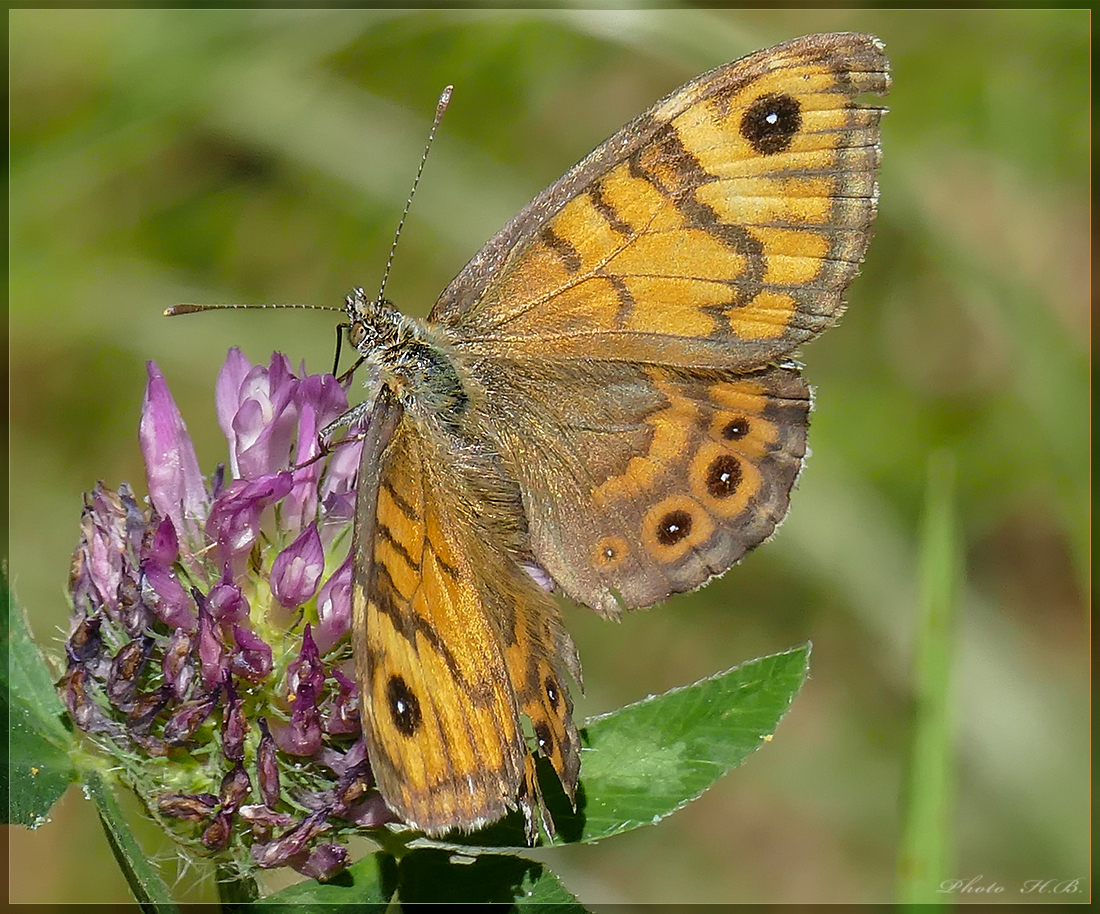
(453, 639)
(718, 229)
(611, 319)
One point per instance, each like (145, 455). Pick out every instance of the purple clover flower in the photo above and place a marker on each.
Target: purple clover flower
(209, 625)
(296, 571)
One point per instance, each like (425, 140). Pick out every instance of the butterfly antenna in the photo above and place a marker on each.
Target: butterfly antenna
(440, 108)
(195, 309)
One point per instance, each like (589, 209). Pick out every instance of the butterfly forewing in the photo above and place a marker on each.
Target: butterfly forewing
(439, 714)
(716, 230)
(453, 640)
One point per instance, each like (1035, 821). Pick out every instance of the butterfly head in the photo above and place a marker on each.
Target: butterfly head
(374, 324)
(409, 356)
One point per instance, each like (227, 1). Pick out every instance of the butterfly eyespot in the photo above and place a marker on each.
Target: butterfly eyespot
(545, 738)
(609, 552)
(736, 429)
(404, 706)
(771, 123)
(552, 693)
(673, 527)
(724, 476)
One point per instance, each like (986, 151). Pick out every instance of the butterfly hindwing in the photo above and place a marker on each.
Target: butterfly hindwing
(663, 478)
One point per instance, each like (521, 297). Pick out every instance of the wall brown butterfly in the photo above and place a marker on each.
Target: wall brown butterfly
(603, 393)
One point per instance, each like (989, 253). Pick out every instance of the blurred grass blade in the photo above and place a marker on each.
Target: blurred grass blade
(926, 852)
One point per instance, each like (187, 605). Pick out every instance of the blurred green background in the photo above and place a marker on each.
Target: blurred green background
(258, 156)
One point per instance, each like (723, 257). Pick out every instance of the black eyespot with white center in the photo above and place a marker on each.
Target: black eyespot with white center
(723, 476)
(771, 123)
(545, 738)
(552, 692)
(404, 706)
(736, 429)
(673, 527)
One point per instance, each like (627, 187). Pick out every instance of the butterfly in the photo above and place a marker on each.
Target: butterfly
(602, 400)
